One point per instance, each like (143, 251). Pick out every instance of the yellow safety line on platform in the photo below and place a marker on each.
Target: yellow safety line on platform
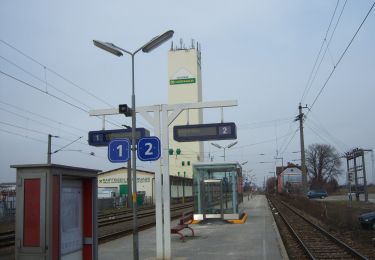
(239, 221)
(195, 222)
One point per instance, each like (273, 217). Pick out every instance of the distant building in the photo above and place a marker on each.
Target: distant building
(289, 178)
(115, 183)
(185, 86)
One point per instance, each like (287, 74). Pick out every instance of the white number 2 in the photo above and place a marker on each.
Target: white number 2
(119, 149)
(149, 148)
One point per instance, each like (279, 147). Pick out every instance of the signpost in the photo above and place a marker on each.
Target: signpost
(149, 149)
(119, 150)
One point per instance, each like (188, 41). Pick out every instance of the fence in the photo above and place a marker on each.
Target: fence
(122, 202)
(7, 210)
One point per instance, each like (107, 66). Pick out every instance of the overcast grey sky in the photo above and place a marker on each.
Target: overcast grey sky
(260, 53)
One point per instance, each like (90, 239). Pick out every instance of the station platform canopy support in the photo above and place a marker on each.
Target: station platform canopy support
(162, 117)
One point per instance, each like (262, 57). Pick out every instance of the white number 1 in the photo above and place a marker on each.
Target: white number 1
(148, 151)
(119, 149)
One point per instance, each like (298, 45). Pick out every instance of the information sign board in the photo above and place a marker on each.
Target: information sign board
(205, 132)
(103, 137)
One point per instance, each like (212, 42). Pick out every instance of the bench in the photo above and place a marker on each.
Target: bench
(183, 223)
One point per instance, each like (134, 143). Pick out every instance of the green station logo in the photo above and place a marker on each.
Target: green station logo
(182, 81)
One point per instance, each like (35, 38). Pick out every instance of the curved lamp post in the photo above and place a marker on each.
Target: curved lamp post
(115, 50)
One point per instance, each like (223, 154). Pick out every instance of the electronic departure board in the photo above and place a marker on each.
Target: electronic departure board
(205, 132)
(103, 137)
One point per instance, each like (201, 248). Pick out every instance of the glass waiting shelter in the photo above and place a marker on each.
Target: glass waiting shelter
(217, 191)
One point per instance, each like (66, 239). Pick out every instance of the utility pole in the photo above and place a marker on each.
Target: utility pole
(49, 149)
(49, 153)
(302, 141)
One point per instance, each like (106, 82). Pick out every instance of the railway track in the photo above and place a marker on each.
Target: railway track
(316, 242)
(114, 225)
(121, 225)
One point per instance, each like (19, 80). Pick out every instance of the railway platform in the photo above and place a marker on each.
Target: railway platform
(257, 238)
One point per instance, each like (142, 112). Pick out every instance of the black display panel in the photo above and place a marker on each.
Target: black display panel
(205, 132)
(103, 137)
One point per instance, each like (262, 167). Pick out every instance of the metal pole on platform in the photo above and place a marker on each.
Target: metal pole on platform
(148, 47)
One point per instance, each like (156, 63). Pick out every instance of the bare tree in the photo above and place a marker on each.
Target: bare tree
(323, 164)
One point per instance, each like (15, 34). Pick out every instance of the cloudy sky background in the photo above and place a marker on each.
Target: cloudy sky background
(260, 53)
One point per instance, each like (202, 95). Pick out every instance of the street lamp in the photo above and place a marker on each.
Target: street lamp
(224, 147)
(115, 50)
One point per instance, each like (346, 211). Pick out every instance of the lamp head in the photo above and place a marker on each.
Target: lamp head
(110, 47)
(157, 41)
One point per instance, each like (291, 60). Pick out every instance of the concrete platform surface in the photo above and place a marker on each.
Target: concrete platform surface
(256, 239)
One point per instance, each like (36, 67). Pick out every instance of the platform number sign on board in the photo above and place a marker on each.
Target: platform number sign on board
(149, 148)
(119, 150)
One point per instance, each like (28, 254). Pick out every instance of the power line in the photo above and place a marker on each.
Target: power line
(24, 128)
(327, 49)
(56, 73)
(334, 139)
(289, 133)
(43, 141)
(320, 50)
(36, 121)
(51, 95)
(35, 131)
(342, 55)
(25, 136)
(38, 115)
(261, 124)
(290, 140)
(67, 144)
(44, 81)
(43, 91)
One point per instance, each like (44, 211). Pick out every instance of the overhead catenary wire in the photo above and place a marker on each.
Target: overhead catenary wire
(45, 81)
(341, 56)
(43, 91)
(290, 140)
(334, 139)
(37, 121)
(318, 55)
(20, 135)
(55, 72)
(41, 116)
(327, 49)
(37, 131)
(43, 141)
(52, 95)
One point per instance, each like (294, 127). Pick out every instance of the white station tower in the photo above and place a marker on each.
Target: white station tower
(185, 86)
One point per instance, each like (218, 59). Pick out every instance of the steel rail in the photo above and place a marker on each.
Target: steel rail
(349, 249)
(299, 240)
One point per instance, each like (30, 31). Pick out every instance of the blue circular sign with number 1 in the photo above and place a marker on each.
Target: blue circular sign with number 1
(119, 150)
(148, 148)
